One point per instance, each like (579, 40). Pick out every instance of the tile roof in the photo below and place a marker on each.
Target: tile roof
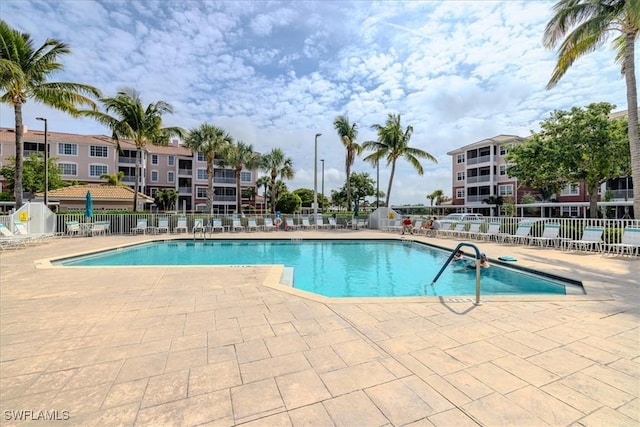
(98, 192)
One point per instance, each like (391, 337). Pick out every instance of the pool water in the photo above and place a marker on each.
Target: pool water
(337, 268)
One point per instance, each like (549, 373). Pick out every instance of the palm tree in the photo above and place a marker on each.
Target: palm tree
(276, 164)
(239, 156)
(393, 143)
(580, 27)
(264, 181)
(24, 71)
(435, 195)
(348, 133)
(134, 122)
(208, 139)
(113, 178)
(496, 201)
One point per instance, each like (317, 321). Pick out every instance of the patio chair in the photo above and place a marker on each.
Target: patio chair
(550, 235)
(251, 225)
(305, 225)
(393, 225)
(333, 223)
(181, 226)
(198, 226)
(362, 223)
(216, 224)
(591, 238)
(73, 228)
(472, 232)
(268, 224)
(8, 239)
(629, 242)
(521, 235)
(21, 230)
(237, 225)
(163, 225)
(290, 224)
(460, 227)
(141, 226)
(319, 222)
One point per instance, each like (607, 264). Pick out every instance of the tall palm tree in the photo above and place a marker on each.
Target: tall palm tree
(276, 164)
(264, 181)
(435, 195)
(134, 122)
(113, 178)
(240, 156)
(580, 27)
(392, 144)
(24, 71)
(496, 201)
(208, 140)
(348, 133)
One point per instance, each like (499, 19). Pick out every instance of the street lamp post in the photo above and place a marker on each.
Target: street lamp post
(315, 181)
(46, 162)
(322, 186)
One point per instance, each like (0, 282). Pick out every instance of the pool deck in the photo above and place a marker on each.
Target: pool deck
(224, 346)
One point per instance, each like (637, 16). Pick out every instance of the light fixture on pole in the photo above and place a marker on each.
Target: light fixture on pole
(322, 186)
(315, 181)
(46, 162)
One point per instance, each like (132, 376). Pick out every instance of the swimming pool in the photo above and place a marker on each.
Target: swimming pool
(336, 268)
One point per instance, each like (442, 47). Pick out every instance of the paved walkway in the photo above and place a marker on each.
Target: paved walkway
(215, 346)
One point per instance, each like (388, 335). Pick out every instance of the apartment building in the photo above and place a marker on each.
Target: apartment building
(84, 158)
(480, 171)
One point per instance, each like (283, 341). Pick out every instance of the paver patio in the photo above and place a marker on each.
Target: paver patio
(223, 346)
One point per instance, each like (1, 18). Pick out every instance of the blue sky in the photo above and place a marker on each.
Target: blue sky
(274, 74)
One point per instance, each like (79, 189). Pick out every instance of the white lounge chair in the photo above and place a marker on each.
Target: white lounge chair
(141, 227)
(333, 223)
(10, 240)
(101, 227)
(305, 225)
(181, 227)
(268, 224)
(163, 225)
(237, 225)
(550, 235)
(629, 242)
(216, 224)
(198, 226)
(21, 230)
(591, 238)
(252, 225)
(521, 235)
(73, 228)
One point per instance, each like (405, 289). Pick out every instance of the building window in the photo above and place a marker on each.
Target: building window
(154, 191)
(503, 170)
(570, 211)
(504, 149)
(154, 159)
(571, 190)
(245, 176)
(201, 174)
(460, 158)
(460, 176)
(505, 190)
(460, 193)
(70, 169)
(98, 170)
(200, 157)
(201, 192)
(171, 177)
(171, 160)
(154, 176)
(67, 149)
(98, 151)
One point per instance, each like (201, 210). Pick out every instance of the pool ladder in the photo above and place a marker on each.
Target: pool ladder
(453, 253)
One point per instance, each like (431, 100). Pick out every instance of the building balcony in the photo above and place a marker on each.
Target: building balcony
(127, 160)
(473, 199)
(224, 198)
(185, 172)
(622, 194)
(480, 178)
(184, 190)
(223, 180)
(476, 160)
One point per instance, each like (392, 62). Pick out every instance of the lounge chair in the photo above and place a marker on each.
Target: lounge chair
(10, 240)
(181, 226)
(73, 228)
(216, 224)
(305, 225)
(252, 225)
(141, 227)
(101, 227)
(237, 225)
(362, 223)
(591, 238)
(393, 225)
(629, 242)
(198, 226)
(268, 224)
(319, 222)
(163, 225)
(21, 230)
(460, 227)
(472, 232)
(550, 235)
(333, 223)
(521, 235)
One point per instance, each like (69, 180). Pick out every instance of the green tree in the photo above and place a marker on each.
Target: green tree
(24, 74)
(434, 196)
(113, 178)
(348, 133)
(166, 199)
(33, 173)
(276, 164)
(288, 203)
(496, 201)
(131, 120)
(306, 196)
(239, 156)
(392, 144)
(581, 144)
(264, 182)
(580, 27)
(208, 140)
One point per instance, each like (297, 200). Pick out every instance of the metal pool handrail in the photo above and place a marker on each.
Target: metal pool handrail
(475, 248)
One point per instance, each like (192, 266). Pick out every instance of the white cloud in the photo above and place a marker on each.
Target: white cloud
(274, 76)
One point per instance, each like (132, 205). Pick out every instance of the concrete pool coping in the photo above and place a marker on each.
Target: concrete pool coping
(593, 290)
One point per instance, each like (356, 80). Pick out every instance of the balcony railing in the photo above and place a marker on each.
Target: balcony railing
(128, 160)
(224, 198)
(185, 172)
(622, 194)
(184, 190)
(481, 178)
(476, 160)
(223, 180)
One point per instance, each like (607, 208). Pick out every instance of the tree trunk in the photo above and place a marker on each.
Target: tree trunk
(273, 192)
(393, 170)
(348, 170)
(632, 113)
(593, 201)
(17, 185)
(136, 186)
